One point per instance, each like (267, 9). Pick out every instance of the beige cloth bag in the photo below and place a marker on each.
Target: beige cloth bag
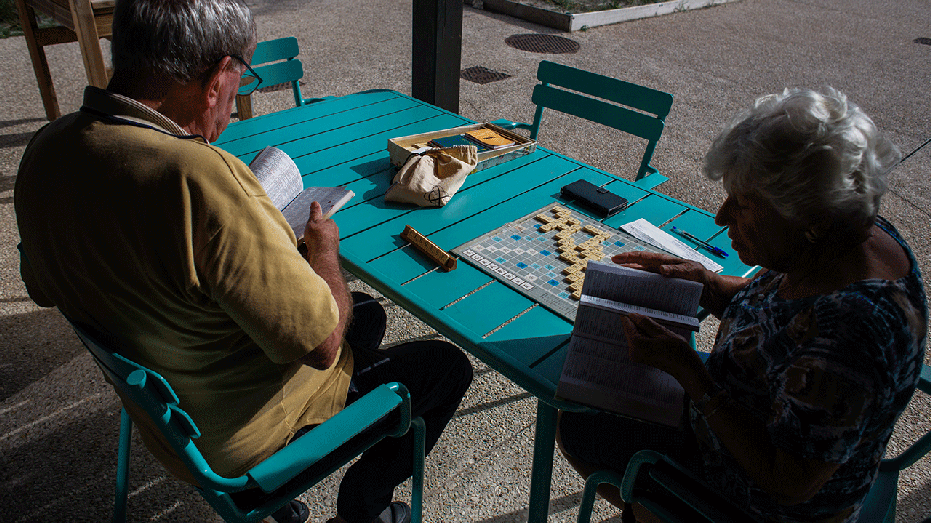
(432, 178)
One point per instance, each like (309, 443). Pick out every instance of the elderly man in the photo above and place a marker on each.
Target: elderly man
(134, 225)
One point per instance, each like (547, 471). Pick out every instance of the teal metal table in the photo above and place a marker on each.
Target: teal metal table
(342, 141)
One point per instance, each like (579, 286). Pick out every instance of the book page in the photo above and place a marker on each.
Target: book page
(644, 289)
(298, 210)
(598, 371)
(279, 176)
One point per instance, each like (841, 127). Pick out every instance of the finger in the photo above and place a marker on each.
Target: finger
(647, 326)
(642, 255)
(642, 260)
(630, 330)
(316, 212)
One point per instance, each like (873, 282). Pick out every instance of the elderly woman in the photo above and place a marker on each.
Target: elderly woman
(818, 354)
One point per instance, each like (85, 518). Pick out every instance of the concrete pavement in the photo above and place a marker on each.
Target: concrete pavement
(58, 419)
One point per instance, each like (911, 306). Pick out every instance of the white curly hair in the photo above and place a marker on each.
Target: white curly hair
(814, 156)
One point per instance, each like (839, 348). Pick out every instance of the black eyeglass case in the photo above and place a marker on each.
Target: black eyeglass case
(599, 200)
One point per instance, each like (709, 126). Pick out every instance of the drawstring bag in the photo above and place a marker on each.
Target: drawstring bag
(432, 178)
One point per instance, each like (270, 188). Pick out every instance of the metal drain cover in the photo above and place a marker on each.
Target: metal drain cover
(926, 41)
(482, 75)
(543, 43)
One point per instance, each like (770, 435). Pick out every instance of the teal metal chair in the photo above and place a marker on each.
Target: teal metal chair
(676, 495)
(384, 412)
(276, 62)
(628, 107)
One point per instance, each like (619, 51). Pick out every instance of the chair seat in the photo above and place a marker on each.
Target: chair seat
(383, 412)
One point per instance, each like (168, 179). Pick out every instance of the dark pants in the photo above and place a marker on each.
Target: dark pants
(437, 375)
(608, 442)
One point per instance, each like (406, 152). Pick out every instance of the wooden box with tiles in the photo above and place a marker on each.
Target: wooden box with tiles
(509, 145)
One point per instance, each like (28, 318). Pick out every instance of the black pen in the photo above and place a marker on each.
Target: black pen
(703, 243)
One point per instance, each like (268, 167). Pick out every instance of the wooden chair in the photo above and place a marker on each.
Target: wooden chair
(676, 495)
(84, 21)
(384, 412)
(276, 62)
(628, 107)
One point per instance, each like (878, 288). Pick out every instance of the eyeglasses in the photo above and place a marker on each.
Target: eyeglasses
(250, 79)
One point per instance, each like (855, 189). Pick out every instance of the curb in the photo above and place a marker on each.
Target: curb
(574, 22)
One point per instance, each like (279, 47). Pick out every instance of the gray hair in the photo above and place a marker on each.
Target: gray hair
(179, 38)
(812, 155)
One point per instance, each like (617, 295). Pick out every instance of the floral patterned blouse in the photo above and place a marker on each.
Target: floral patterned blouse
(837, 370)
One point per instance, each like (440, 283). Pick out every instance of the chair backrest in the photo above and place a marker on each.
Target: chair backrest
(880, 503)
(275, 61)
(149, 390)
(628, 107)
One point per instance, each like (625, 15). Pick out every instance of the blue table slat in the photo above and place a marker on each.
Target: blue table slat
(698, 223)
(293, 116)
(488, 308)
(550, 368)
(528, 332)
(404, 264)
(289, 125)
(543, 384)
(352, 143)
(654, 208)
(328, 132)
(439, 288)
(375, 166)
(500, 214)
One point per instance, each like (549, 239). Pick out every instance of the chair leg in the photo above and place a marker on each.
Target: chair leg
(85, 25)
(122, 468)
(27, 17)
(588, 502)
(420, 436)
(595, 479)
(244, 106)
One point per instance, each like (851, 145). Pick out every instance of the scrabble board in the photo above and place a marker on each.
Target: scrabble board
(543, 255)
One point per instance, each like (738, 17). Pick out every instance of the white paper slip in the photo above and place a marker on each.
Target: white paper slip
(647, 232)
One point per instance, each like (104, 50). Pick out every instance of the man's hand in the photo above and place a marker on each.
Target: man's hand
(322, 238)
(321, 235)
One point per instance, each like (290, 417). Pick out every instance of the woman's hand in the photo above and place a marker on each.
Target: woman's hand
(717, 290)
(665, 264)
(787, 478)
(652, 344)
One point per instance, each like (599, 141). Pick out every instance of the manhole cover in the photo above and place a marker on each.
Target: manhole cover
(482, 75)
(926, 41)
(543, 43)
